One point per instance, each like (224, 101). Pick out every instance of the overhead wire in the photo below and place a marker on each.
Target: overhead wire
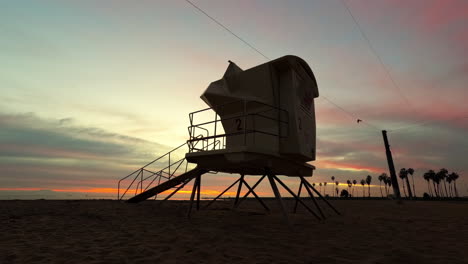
(266, 57)
(383, 65)
(387, 71)
(227, 29)
(350, 114)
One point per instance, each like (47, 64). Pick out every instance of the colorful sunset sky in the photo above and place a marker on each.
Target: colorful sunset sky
(92, 90)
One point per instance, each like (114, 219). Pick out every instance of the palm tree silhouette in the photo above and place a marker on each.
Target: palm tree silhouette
(449, 181)
(410, 171)
(454, 177)
(337, 187)
(385, 180)
(368, 181)
(436, 179)
(381, 178)
(320, 184)
(333, 180)
(354, 185)
(405, 178)
(432, 176)
(402, 176)
(363, 182)
(349, 185)
(442, 174)
(325, 188)
(427, 176)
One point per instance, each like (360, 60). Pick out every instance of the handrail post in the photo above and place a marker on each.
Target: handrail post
(141, 181)
(191, 119)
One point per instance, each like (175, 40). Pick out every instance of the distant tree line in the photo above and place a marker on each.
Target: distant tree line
(439, 179)
(439, 184)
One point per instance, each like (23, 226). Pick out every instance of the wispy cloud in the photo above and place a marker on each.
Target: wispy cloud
(57, 153)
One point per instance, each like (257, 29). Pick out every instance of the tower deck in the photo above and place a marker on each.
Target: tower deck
(250, 161)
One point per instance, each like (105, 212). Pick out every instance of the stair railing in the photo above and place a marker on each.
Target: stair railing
(165, 173)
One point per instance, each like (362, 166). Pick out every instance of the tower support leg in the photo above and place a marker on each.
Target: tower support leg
(278, 198)
(318, 193)
(239, 188)
(198, 192)
(313, 198)
(251, 190)
(221, 194)
(295, 197)
(298, 195)
(195, 189)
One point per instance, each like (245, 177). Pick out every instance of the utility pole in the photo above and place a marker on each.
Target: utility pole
(391, 167)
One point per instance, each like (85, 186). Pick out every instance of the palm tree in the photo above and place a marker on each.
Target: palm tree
(427, 177)
(449, 181)
(325, 188)
(436, 179)
(454, 177)
(337, 190)
(320, 184)
(402, 176)
(348, 182)
(443, 173)
(385, 180)
(381, 178)
(368, 181)
(363, 182)
(411, 172)
(337, 183)
(408, 186)
(333, 180)
(354, 185)
(432, 176)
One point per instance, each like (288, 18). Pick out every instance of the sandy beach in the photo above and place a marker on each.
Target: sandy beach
(369, 231)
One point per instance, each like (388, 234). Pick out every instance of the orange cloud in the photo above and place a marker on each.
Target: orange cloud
(347, 167)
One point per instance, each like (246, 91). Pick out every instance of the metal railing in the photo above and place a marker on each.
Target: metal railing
(217, 139)
(143, 178)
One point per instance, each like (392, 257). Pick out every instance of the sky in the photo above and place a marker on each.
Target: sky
(92, 90)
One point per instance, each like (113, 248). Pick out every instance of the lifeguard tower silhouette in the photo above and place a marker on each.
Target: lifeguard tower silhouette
(260, 121)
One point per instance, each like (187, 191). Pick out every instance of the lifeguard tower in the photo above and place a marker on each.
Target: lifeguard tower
(260, 121)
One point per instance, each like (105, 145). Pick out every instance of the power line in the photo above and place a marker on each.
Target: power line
(266, 57)
(350, 114)
(227, 29)
(387, 71)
